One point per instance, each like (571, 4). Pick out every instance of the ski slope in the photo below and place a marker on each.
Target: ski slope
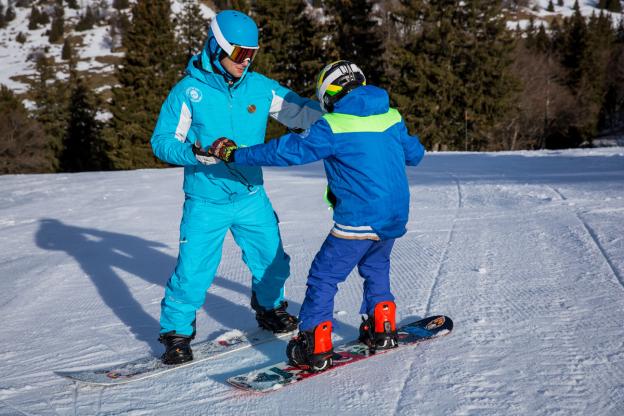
(524, 250)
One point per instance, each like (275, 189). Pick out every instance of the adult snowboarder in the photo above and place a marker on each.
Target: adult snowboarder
(220, 96)
(365, 146)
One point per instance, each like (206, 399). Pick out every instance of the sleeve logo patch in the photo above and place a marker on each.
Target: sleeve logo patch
(194, 94)
(251, 108)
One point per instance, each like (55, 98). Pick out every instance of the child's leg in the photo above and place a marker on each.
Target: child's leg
(332, 264)
(374, 267)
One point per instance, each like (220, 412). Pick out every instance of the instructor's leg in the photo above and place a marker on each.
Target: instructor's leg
(256, 231)
(202, 231)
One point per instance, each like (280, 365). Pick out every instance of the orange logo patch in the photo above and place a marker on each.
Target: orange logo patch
(251, 108)
(435, 323)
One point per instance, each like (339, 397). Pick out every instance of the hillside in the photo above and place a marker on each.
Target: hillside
(98, 49)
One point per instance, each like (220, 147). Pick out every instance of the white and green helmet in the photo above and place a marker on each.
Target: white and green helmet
(335, 81)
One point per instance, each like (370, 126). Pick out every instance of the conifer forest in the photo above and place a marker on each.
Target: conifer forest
(463, 77)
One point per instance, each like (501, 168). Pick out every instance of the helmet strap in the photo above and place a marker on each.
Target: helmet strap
(216, 54)
(346, 89)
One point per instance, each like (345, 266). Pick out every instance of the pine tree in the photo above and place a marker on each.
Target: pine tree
(34, 18)
(614, 6)
(3, 21)
(291, 49)
(119, 24)
(550, 7)
(240, 5)
(147, 73)
(451, 76)
(50, 96)
(530, 33)
(585, 52)
(354, 34)
(10, 15)
(542, 41)
(121, 4)
(87, 20)
(192, 29)
(612, 112)
(67, 53)
(73, 4)
(83, 147)
(575, 47)
(58, 23)
(23, 147)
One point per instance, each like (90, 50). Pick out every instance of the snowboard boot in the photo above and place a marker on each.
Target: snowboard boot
(177, 348)
(276, 320)
(379, 330)
(312, 350)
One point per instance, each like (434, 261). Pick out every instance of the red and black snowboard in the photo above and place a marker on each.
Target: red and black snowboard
(282, 374)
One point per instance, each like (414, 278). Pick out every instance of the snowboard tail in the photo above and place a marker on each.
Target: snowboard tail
(282, 374)
(151, 366)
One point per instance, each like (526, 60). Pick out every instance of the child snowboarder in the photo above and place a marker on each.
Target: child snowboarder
(365, 146)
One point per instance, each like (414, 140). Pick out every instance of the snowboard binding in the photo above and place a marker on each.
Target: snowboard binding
(378, 331)
(312, 350)
(276, 320)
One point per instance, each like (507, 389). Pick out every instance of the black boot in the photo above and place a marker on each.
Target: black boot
(177, 348)
(379, 330)
(312, 350)
(276, 320)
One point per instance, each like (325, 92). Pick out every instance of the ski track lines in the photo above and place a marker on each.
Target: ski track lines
(549, 313)
(600, 249)
(398, 407)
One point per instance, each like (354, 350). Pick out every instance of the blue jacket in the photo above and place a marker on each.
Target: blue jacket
(365, 146)
(204, 107)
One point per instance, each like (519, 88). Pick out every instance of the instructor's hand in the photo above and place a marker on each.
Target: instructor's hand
(223, 148)
(202, 156)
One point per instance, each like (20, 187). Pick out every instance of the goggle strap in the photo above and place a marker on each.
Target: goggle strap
(221, 40)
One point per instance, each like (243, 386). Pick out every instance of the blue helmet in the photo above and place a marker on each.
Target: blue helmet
(233, 33)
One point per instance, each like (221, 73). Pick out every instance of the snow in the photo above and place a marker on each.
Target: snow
(524, 250)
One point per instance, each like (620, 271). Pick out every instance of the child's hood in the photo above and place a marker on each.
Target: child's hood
(364, 101)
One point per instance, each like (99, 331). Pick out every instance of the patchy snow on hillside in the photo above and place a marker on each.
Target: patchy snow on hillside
(16, 59)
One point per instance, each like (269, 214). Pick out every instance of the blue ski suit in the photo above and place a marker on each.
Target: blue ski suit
(365, 146)
(220, 197)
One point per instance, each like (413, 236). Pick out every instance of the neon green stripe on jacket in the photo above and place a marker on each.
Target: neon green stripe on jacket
(347, 123)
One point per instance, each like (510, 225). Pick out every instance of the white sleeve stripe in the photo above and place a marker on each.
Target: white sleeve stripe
(292, 114)
(276, 104)
(184, 124)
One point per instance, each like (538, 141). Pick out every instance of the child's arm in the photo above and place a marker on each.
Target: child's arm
(414, 150)
(291, 149)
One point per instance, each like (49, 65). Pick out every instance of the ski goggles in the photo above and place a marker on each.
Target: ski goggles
(236, 53)
(241, 54)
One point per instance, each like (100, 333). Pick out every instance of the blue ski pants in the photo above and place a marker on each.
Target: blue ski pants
(204, 224)
(332, 264)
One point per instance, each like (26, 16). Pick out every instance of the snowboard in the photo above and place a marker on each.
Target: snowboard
(278, 375)
(151, 366)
